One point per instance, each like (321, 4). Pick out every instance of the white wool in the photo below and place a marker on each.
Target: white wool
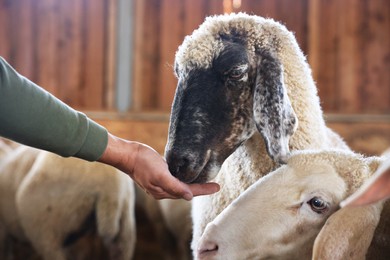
(273, 217)
(45, 197)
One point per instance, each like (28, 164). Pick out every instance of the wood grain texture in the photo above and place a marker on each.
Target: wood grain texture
(64, 46)
(68, 47)
(346, 42)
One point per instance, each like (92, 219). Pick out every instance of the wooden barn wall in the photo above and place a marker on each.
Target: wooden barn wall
(347, 43)
(68, 47)
(64, 46)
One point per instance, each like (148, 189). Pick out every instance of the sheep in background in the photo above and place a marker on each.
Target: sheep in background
(243, 87)
(54, 199)
(177, 218)
(280, 215)
(171, 222)
(13, 168)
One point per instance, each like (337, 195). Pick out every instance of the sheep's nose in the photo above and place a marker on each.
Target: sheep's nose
(207, 250)
(178, 165)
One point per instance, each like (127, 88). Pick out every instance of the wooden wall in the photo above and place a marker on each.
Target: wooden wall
(68, 47)
(64, 46)
(347, 43)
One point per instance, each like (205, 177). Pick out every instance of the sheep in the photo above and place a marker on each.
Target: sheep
(377, 188)
(281, 214)
(171, 222)
(245, 98)
(13, 168)
(177, 218)
(54, 199)
(15, 162)
(4, 149)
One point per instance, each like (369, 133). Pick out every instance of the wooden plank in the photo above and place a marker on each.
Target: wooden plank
(261, 7)
(21, 53)
(46, 15)
(70, 52)
(194, 15)
(171, 21)
(110, 53)
(294, 15)
(139, 13)
(213, 7)
(92, 89)
(350, 68)
(146, 55)
(322, 50)
(313, 48)
(375, 89)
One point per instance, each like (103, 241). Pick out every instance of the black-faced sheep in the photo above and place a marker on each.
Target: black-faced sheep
(243, 87)
(280, 216)
(46, 199)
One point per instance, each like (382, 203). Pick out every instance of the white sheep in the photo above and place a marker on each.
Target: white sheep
(13, 168)
(280, 215)
(172, 224)
(177, 218)
(54, 198)
(377, 188)
(8, 187)
(4, 149)
(245, 97)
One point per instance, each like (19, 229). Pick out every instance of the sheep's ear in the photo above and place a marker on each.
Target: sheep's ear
(273, 114)
(375, 189)
(347, 234)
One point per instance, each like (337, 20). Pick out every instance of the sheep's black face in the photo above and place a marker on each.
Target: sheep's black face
(211, 115)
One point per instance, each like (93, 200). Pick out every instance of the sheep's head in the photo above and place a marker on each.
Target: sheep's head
(281, 214)
(228, 89)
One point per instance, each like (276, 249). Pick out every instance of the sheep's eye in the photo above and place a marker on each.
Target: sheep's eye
(236, 74)
(318, 205)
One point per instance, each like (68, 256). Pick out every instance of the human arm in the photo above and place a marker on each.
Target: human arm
(32, 116)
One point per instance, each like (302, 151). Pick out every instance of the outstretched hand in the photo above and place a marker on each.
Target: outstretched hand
(150, 171)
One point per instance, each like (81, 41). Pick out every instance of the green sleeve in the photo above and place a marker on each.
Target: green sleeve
(32, 116)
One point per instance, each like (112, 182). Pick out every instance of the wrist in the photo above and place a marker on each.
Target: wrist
(120, 153)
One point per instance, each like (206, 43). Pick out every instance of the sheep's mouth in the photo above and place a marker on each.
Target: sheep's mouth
(203, 176)
(208, 170)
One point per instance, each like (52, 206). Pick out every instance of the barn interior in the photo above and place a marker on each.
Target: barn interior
(113, 60)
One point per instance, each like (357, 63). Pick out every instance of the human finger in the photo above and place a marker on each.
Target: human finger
(175, 188)
(204, 188)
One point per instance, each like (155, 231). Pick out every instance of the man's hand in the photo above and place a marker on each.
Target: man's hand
(150, 171)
